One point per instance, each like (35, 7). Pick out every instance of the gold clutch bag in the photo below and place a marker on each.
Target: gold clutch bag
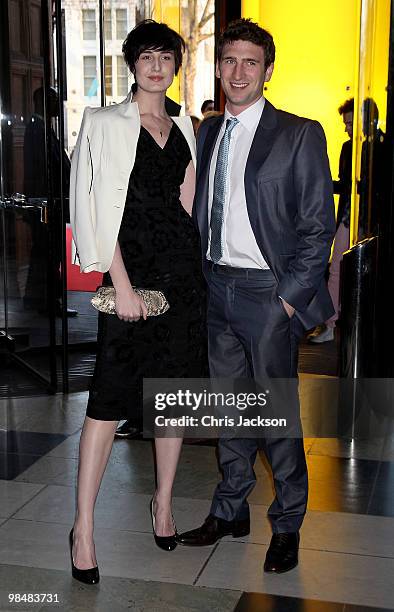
(156, 303)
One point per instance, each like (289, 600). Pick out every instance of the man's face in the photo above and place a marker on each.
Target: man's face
(241, 70)
(348, 121)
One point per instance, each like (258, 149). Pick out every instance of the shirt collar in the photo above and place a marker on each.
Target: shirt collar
(250, 117)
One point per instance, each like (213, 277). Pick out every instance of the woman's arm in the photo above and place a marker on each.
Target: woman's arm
(129, 306)
(188, 188)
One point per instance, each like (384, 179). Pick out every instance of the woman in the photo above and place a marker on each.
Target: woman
(131, 196)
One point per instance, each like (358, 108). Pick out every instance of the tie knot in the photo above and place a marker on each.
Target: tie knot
(231, 123)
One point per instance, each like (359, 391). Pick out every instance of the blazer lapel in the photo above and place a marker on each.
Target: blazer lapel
(129, 109)
(126, 107)
(186, 127)
(262, 144)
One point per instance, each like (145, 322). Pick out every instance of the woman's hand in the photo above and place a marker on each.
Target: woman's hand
(130, 306)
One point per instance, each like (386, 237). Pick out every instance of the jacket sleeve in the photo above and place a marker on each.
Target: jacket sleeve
(315, 220)
(82, 214)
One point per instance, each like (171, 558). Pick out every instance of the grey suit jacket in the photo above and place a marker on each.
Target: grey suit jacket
(289, 198)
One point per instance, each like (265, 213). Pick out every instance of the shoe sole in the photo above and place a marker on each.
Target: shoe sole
(240, 534)
(75, 570)
(234, 534)
(288, 569)
(127, 436)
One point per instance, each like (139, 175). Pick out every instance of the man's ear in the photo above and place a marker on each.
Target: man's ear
(217, 70)
(268, 72)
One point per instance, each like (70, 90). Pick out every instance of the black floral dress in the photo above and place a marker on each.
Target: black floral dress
(160, 250)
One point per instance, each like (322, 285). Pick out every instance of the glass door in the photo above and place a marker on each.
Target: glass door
(369, 193)
(89, 70)
(29, 261)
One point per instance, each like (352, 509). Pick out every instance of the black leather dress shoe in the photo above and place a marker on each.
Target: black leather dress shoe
(212, 530)
(88, 576)
(282, 554)
(128, 431)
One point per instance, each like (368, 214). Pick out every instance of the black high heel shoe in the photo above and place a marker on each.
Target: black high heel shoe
(164, 542)
(88, 576)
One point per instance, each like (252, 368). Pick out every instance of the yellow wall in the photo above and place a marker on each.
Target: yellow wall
(251, 8)
(168, 11)
(371, 82)
(375, 54)
(381, 59)
(315, 59)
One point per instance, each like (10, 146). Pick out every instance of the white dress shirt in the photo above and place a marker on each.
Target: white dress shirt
(240, 248)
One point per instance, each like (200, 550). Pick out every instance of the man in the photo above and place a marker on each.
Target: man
(265, 213)
(371, 184)
(206, 107)
(325, 332)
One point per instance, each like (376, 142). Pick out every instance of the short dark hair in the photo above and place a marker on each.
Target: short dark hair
(347, 107)
(149, 35)
(205, 105)
(246, 29)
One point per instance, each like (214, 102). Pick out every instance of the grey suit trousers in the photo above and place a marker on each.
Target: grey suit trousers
(251, 336)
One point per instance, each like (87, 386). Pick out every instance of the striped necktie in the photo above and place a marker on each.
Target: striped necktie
(219, 192)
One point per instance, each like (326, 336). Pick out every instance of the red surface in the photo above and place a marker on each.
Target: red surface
(76, 280)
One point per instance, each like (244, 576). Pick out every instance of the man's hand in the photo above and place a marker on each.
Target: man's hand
(130, 306)
(289, 309)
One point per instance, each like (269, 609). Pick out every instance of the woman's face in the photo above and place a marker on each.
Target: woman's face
(154, 70)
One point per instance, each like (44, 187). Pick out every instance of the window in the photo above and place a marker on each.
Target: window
(107, 24)
(108, 75)
(121, 24)
(89, 24)
(122, 76)
(90, 83)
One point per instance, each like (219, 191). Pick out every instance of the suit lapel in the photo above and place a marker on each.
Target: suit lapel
(262, 144)
(202, 187)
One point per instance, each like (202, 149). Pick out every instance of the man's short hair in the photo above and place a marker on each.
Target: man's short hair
(149, 35)
(347, 107)
(246, 29)
(205, 105)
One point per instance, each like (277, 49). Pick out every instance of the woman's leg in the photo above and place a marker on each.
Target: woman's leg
(94, 450)
(167, 455)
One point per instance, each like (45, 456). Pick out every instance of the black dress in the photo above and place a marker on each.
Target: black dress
(160, 250)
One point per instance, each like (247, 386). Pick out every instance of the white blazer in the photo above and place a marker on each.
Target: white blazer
(100, 170)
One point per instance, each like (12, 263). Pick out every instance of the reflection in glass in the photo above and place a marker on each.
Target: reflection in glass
(90, 79)
(121, 24)
(83, 84)
(82, 51)
(122, 76)
(35, 161)
(371, 178)
(197, 28)
(89, 24)
(24, 183)
(108, 75)
(108, 24)
(370, 119)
